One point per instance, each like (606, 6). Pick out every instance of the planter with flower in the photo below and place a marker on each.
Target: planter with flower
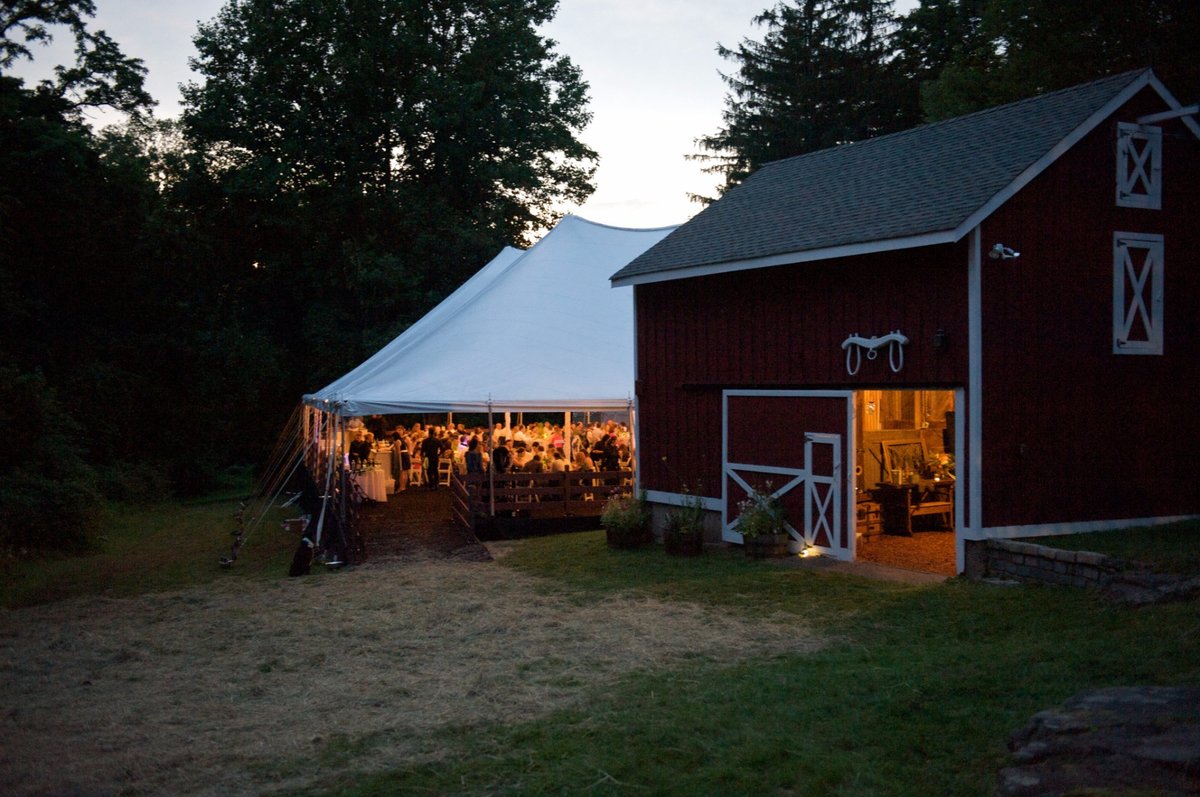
(683, 534)
(626, 522)
(761, 522)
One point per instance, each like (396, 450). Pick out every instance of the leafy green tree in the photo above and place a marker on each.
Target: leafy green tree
(48, 497)
(357, 159)
(100, 76)
(973, 54)
(822, 75)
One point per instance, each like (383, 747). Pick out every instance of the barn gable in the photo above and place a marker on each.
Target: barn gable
(919, 187)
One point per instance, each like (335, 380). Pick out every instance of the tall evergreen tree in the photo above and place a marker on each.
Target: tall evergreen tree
(359, 158)
(973, 54)
(822, 75)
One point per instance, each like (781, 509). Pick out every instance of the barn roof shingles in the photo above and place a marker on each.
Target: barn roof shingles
(925, 180)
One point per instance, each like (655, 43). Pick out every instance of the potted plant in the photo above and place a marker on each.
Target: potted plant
(761, 523)
(626, 521)
(683, 534)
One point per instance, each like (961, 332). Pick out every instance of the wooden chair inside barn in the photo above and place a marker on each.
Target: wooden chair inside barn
(905, 496)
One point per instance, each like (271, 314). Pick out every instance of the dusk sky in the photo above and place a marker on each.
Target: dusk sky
(651, 64)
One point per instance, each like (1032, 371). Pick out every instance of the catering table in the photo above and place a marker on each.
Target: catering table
(383, 459)
(373, 482)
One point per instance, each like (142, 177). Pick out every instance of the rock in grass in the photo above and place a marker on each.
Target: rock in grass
(1121, 740)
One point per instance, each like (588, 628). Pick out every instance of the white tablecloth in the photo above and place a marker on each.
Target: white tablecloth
(383, 458)
(373, 483)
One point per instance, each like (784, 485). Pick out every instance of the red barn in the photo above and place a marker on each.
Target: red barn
(998, 314)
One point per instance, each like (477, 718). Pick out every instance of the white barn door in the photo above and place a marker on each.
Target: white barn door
(796, 445)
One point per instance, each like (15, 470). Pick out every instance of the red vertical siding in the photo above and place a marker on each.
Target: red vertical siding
(1071, 431)
(783, 328)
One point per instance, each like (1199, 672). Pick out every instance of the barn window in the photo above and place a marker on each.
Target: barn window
(1139, 166)
(1137, 293)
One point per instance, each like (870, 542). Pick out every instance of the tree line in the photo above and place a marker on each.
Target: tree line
(829, 72)
(169, 288)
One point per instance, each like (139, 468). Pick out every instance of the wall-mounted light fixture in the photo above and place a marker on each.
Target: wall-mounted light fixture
(941, 340)
(1002, 252)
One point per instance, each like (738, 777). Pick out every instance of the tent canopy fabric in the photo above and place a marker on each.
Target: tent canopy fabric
(536, 330)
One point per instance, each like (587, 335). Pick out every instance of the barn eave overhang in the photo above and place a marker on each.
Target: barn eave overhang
(789, 258)
(972, 221)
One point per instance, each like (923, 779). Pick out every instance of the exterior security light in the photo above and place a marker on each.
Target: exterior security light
(1002, 252)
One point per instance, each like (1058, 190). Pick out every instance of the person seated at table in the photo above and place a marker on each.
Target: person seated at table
(534, 464)
(501, 456)
(520, 455)
(558, 461)
(473, 456)
(583, 462)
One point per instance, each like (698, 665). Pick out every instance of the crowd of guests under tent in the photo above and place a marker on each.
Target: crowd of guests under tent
(398, 457)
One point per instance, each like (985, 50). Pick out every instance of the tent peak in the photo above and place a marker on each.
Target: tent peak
(618, 227)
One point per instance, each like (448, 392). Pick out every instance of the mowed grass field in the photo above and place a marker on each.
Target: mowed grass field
(561, 668)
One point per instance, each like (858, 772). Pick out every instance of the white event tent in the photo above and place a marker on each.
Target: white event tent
(539, 330)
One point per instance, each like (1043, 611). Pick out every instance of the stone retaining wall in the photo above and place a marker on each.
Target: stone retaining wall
(1133, 583)
(1025, 561)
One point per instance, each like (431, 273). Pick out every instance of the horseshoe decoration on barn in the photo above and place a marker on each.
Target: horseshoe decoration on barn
(856, 344)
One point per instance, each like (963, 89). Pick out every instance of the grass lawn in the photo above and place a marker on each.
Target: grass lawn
(1172, 548)
(917, 695)
(914, 693)
(152, 547)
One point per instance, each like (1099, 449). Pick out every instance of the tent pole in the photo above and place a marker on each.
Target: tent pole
(341, 473)
(491, 467)
(567, 436)
(325, 495)
(633, 454)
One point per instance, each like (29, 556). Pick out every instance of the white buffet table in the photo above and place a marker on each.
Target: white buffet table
(373, 483)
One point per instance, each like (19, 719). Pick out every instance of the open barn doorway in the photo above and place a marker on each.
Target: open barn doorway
(905, 478)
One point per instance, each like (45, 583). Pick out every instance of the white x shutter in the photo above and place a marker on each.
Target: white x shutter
(1139, 166)
(1137, 293)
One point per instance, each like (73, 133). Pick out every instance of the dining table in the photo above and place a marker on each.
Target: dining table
(373, 483)
(382, 456)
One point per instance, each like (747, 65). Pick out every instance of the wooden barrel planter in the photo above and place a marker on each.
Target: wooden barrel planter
(765, 546)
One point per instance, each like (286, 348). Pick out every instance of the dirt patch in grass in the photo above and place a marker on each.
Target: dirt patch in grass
(246, 687)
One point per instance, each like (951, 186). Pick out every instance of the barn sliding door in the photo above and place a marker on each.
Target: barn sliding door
(796, 445)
